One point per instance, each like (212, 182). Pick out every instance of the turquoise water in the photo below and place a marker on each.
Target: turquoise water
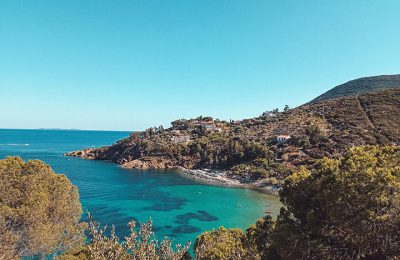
(179, 207)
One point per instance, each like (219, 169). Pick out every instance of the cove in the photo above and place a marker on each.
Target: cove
(180, 208)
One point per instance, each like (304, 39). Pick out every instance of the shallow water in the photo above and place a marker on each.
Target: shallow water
(179, 207)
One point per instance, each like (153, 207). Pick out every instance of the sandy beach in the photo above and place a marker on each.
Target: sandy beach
(220, 178)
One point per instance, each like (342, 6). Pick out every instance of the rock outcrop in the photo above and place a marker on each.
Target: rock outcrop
(150, 162)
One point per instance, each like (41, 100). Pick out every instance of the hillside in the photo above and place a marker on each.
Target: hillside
(264, 149)
(360, 86)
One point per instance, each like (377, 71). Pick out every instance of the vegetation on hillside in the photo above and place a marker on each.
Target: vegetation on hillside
(248, 150)
(360, 86)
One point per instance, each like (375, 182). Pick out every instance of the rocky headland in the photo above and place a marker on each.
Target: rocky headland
(260, 152)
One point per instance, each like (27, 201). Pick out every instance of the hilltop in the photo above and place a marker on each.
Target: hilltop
(265, 149)
(360, 86)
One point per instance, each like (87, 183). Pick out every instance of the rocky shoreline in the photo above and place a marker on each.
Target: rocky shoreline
(205, 176)
(259, 153)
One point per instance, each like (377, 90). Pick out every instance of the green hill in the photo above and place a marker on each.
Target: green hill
(360, 86)
(250, 150)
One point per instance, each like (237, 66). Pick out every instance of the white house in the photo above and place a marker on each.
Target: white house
(282, 138)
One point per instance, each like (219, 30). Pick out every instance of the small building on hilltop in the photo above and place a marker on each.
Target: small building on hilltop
(283, 138)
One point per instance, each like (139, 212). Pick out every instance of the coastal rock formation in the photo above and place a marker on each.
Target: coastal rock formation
(150, 162)
(264, 149)
(88, 153)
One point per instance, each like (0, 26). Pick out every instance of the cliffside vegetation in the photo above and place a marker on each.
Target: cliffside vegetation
(267, 148)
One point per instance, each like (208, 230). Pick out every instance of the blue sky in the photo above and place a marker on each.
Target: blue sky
(128, 65)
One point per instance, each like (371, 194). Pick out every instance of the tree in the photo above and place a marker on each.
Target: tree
(286, 108)
(314, 134)
(346, 208)
(221, 244)
(39, 210)
(259, 237)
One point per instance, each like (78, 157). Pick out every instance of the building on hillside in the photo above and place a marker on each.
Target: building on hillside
(209, 127)
(180, 139)
(269, 114)
(283, 138)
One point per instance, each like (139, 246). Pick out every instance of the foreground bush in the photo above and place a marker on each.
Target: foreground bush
(221, 244)
(39, 210)
(346, 208)
(140, 245)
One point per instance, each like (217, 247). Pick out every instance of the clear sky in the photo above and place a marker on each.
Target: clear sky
(128, 65)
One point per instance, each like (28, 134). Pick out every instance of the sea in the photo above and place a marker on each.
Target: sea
(179, 207)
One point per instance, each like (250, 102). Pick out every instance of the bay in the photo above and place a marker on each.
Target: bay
(180, 208)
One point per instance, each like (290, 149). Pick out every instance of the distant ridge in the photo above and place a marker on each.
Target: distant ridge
(360, 86)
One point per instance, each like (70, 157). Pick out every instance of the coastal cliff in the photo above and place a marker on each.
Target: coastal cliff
(260, 151)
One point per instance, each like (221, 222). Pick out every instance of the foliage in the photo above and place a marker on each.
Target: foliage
(140, 245)
(79, 253)
(221, 244)
(322, 129)
(286, 108)
(259, 237)
(39, 210)
(359, 86)
(347, 208)
(219, 151)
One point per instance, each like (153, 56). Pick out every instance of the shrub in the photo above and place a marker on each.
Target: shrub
(140, 245)
(221, 244)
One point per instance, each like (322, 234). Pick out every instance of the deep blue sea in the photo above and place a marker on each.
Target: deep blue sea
(179, 207)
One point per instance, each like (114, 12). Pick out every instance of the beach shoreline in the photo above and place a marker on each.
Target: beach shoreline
(219, 178)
